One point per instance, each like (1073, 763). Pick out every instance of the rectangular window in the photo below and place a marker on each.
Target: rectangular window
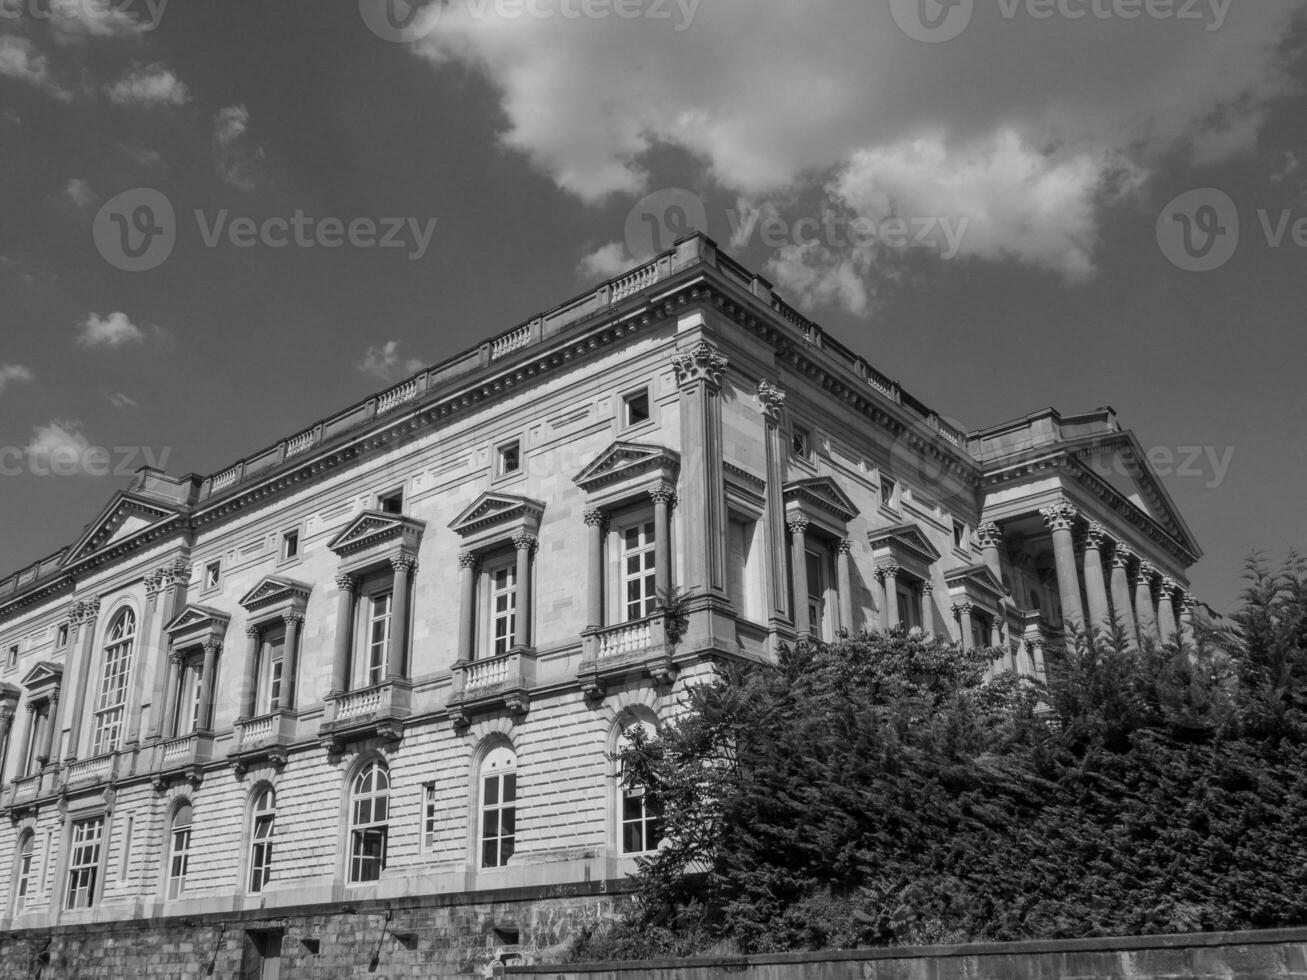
(368, 858)
(179, 861)
(641, 824)
(391, 503)
(261, 852)
(113, 695)
(429, 816)
(742, 568)
(909, 606)
(61, 640)
(212, 575)
(290, 545)
(639, 587)
(635, 407)
(801, 442)
(888, 489)
(503, 608)
(378, 637)
(24, 888)
(274, 654)
(959, 535)
(498, 819)
(84, 863)
(817, 564)
(11, 657)
(509, 458)
(126, 865)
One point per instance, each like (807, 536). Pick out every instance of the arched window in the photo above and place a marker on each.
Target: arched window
(369, 811)
(113, 682)
(179, 850)
(641, 821)
(498, 807)
(23, 878)
(263, 818)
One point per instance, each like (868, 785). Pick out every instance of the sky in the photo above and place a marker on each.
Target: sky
(220, 222)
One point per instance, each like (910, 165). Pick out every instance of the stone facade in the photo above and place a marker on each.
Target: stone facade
(391, 657)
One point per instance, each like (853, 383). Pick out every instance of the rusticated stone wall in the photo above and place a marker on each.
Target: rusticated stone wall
(457, 936)
(1280, 953)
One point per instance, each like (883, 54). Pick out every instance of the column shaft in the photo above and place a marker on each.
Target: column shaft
(964, 622)
(888, 576)
(1166, 623)
(250, 675)
(699, 373)
(467, 613)
(208, 683)
(1121, 606)
(1100, 615)
(86, 653)
(1144, 612)
(799, 572)
(522, 613)
(347, 586)
(594, 520)
(662, 498)
(844, 580)
(395, 653)
(772, 400)
(1059, 519)
(290, 663)
(171, 695)
(20, 736)
(46, 755)
(172, 582)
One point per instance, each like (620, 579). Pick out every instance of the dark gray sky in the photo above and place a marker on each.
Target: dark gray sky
(1030, 150)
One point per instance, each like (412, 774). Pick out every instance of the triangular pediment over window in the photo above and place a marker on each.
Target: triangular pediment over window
(125, 516)
(41, 676)
(492, 509)
(977, 583)
(624, 461)
(372, 528)
(823, 493)
(275, 589)
(903, 541)
(194, 617)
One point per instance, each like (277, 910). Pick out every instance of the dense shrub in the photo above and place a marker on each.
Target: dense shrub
(881, 790)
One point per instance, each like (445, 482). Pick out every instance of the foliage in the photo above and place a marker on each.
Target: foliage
(885, 790)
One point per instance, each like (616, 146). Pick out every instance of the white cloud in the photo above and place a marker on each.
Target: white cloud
(13, 374)
(385, 363)
(237, 163)
(74, 21)
(606, 261)
(80, 193)
(120, 401)
(60, 448)
(776, 102)
(22, 61)
(148, 85)
(113, 330)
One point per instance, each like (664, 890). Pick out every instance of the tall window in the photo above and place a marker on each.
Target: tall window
(742, 568)
(429, 815)
(179, 850)
(84, 863)
(503, 606)
(113, 683)
(188, 696)
(638, 578)
(270, 672)
(642, 822)
(24, 882)
(369, 812)
(378, 637)
(498, 807)
(263, 820)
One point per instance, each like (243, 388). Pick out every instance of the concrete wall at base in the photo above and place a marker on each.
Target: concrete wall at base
(1227, 956)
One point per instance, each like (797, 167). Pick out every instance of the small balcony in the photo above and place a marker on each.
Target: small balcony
(368, 713)
(491, 684)
(91, 772)
(182, 757)
(25, 789)
(613, 653)
(264, 739)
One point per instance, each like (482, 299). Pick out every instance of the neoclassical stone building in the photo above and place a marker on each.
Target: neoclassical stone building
(385, 663)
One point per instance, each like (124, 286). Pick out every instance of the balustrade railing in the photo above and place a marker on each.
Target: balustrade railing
(398, 396)
(509, 342)
(616, 641)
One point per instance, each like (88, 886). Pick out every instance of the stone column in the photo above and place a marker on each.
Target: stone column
(1060, 518)
(996, 633)
(926, 593)
(595, 521)
(6, 745)
(290, 661)
(45, 755)
(1188, 602)
(1121, 607)
(250, 675)
(844, 581)
(990, 536)
(1166, 623)
(146, 642)
(524, 542)
(396, 652)
(208, 684)
(699, 373)
(963, 611)
(1144, 602)
(88, 611)
(1100, 615)
(172, 694)
(771, 401)
(22, 737)
(662, 498)
(173, 579)
(799, 573)
(347, 586)
(887, 573)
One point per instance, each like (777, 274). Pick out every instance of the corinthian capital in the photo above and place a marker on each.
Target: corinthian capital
(1122, 556)
(1095, 534)
(990, 535)
(700, 363)
(771, 400)
(1059, 517)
